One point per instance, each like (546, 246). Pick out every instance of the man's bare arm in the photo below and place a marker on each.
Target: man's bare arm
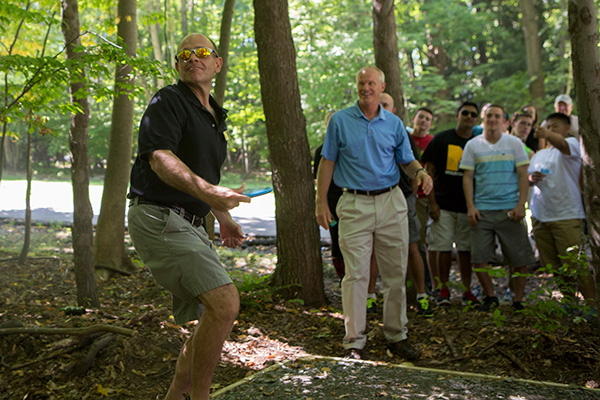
(171, 170)
(324, 176)
(518, 213)
(472, 212)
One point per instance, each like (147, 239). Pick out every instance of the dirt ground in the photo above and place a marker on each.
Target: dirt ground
(268, 330)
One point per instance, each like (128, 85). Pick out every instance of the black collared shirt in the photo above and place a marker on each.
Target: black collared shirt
(176, 120)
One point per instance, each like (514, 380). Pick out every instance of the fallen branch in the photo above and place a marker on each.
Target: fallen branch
(84, 365)
(68, 331)
(30, 258)
(486, 348)
(147, 316)
(514, 359)
(450, 345)
(50, 356)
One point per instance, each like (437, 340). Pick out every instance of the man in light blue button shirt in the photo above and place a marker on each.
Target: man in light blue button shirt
(363, 147)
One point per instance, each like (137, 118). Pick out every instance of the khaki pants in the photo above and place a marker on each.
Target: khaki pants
(553, 239)
(376, 223)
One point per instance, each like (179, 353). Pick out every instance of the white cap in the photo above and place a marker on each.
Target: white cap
(565, 98)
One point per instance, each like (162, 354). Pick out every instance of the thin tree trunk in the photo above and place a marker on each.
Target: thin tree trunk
(184, 18)
(5, 123)
(583, 29)
(155, 39)
(221, 80)
(29, 171)
(109, 246)
(533, 50)
(82, 230)
(225, 37)
(299, 264)
(411, 64)
(385, 44)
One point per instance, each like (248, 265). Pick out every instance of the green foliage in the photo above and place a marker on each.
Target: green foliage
(249, 272)
(545, 305)
(493, 271)
(450, 51)
(498, 318)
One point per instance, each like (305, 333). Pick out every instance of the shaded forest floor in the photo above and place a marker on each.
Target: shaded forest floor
(268, 330)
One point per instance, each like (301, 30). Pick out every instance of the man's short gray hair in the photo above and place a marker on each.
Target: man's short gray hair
(373, 68)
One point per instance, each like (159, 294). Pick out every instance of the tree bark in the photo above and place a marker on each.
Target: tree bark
(385, 44)
(299, 265)
(6, 86)
(533, 50)
(109, 246)
(184, 18)
(82, 230)
(29, 171)
(156, 46)
(583, 30)
(221, 80)
(224, 39)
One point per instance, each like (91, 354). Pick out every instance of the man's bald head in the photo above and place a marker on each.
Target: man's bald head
(193, 37)
(387, 102)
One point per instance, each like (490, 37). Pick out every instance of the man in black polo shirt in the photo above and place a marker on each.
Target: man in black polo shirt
(174, 185)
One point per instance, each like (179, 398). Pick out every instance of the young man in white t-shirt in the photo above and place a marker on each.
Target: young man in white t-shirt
(556, 203)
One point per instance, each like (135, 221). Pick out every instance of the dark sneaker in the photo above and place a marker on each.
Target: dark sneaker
(424, 308)
(469, 299)
(444, 297)
(405, 350)
(518, 306)
(371, 306)
(353, 354)
(488, 303)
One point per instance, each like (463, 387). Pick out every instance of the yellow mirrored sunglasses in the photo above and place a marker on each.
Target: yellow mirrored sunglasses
(201, 52)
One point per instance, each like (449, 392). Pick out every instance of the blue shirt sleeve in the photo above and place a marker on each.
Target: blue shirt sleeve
(331, 143)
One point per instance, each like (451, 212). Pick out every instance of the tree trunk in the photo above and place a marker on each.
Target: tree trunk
(171, 47)
(583, 29)
(224, 39)
(184, 18)
(6, 86)
(29, 172)
(299, 264)
(3, 141)
(221, 80)
(533, 51)
(385, 44)
(109, 246)
(411, 63)
(155, 38)
(82, 230)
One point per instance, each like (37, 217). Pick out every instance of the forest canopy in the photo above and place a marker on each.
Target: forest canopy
(449, 51)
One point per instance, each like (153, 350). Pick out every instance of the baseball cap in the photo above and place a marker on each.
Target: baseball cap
(565, 98)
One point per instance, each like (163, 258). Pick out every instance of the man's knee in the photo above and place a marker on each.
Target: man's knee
(222, 302)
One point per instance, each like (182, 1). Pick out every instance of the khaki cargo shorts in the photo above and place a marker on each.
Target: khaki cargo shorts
(180, 256)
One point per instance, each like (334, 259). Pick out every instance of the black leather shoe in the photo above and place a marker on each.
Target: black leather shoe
(405, 350)
(353, 354)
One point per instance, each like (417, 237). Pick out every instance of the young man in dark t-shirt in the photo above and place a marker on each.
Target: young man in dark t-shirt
(447, 205)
